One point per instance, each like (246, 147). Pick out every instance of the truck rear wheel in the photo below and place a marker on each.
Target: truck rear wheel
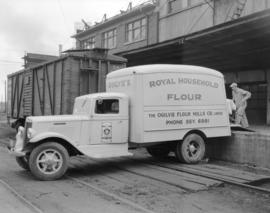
(158, 151)
(191, 149)
(49, 161)
(23, 162)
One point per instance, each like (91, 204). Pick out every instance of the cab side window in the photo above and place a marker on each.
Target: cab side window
(107, 106)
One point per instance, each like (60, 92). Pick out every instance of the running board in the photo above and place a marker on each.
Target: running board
(105, 150)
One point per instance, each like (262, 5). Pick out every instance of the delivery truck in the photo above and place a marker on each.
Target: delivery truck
(164, 108)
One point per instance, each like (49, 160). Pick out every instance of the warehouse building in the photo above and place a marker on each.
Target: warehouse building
(231, 36)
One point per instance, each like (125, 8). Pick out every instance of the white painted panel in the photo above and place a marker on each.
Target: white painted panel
(184, 118)
(182, 89)
(185, 22)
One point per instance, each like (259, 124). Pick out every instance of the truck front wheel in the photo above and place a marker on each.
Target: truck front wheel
(158, 151)
(191, 149)
(49, 161)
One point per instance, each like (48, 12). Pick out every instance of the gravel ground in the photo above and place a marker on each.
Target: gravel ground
(67, 195)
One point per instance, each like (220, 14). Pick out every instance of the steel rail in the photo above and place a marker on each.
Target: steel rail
(146, 176)
(123, 200)
(23, 199)
(196, 173)
(213, 177)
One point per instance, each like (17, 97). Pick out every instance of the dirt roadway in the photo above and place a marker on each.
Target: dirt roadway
(68, 195)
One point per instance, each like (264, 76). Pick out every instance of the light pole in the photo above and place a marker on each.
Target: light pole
(5, 96)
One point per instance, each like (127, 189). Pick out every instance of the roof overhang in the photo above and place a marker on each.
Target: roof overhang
(239, 45)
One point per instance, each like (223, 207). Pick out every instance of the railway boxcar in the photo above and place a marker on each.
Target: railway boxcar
(51, 87)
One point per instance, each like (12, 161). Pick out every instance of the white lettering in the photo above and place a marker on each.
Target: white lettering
(116, 84)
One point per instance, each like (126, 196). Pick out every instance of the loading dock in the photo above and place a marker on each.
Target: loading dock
(239, 48)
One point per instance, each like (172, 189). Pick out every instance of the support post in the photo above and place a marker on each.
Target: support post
(6, 96)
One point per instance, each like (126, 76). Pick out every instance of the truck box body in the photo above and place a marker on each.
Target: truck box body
(168, 101)
(51, 87)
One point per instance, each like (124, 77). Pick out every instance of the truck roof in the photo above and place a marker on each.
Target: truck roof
(103, 95)
(164, 68)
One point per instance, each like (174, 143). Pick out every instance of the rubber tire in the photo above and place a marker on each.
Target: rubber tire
(158, 151)
(182, 154)
(37, 150)
(23, 162)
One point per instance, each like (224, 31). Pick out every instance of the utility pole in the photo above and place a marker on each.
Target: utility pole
(5, 96)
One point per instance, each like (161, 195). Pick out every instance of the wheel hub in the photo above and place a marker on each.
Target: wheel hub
(49, 161)
(192, 148)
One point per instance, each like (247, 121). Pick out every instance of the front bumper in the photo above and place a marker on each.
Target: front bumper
(16, 153)
(16, 147)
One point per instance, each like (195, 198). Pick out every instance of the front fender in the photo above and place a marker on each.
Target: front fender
(45, 135)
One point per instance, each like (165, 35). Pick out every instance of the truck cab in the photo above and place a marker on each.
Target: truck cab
(97, 128)
(105, 133)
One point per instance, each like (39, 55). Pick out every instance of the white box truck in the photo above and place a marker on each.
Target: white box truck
(161, 107)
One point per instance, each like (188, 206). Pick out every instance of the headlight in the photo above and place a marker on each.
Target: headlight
(30, 133)
(20, 129)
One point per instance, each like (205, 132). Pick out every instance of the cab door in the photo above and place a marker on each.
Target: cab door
(109, 121)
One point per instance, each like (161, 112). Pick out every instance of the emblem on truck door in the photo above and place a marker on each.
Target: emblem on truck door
(106, 132)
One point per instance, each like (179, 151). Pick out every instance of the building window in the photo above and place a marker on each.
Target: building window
(136, 30)
(88, 43)
(171, 5)
(176, 5)
(109, 39)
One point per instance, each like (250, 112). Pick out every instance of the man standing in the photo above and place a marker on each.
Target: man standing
(240, 98)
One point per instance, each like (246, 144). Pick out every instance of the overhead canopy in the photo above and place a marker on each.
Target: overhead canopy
(235, 45)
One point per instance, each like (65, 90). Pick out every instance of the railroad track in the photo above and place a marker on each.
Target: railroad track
(116, 197)
(244, 185)
(145, 165)
(87, 174)
(170, 177)
(251, 185)
(172, 167)
(90, 169)
(32, 207)
(83, 172)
